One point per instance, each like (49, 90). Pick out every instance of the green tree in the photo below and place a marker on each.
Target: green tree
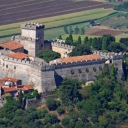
(10, 107)
(60, 37)
(69, 91)
(81, 50)
(35, 93)
(70, 29)
(79, 124)
(104, 44)
(66, 29)
(65, 121)
(60, 110)
(51, 104)
(76, 31)
(94, 42)
(48, 55)
(70, 37)
(82, 31)
(85, 40)
(20, 99)
(79, 40)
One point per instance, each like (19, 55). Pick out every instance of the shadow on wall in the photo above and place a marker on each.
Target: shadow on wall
(58, 79)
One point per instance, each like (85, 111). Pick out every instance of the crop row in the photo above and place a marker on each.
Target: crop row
(23, 16)
(58, 23)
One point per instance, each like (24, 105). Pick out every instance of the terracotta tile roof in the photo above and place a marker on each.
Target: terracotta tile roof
(18, 55)
(11, 89)
(79, 58)
(26, 88)
(10, 79)
(11, 45)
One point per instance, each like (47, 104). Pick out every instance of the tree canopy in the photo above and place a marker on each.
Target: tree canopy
(48, 55)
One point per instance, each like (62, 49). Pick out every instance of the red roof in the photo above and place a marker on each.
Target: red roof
(10, 89)
(10, 79)
(79, 58)
(26, 88)
(18, 55)
(12, 45)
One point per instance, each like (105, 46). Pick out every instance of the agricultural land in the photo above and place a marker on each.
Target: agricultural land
(54, 14)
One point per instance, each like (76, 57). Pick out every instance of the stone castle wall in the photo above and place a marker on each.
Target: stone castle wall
(46, 77)
(62, 48)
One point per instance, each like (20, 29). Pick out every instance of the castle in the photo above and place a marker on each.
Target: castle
(18, 60)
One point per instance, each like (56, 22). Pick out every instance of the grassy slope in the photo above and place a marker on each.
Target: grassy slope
(57, 21)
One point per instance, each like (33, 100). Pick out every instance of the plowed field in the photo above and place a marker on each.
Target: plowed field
(12, 11)
(99, 31)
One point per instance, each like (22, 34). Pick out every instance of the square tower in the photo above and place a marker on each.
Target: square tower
(32, 37)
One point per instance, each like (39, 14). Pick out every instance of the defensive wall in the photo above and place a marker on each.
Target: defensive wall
(61, 48)
(45, 77)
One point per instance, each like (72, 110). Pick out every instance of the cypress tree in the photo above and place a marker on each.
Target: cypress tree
(70, 37)
(65, 29)
(86, 40)
(104, 44)
(79, 40)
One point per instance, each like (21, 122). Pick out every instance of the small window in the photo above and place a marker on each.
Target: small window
(79, 71)
(3, 64)
(87, 70)
(94, 69)
(100, 68)
(14, 67)
(6, 66)
(72, 72)
(116, 64)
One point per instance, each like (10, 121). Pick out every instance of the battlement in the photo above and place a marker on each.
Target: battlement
(109, 55)
(14, 60)
(32, 26)
(77, 63)
(62, 45)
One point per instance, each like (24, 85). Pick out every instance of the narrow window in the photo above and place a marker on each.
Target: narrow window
(72, 72)
(94, 69)
(79, 71)
(6, 66)
(87, 70)
(14, 67)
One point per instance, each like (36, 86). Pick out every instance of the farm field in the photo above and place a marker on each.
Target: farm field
(14, 11)
(102, 30)
(58, 21)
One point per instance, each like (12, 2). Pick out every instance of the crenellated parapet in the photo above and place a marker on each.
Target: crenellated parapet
(32, 26)
(62, 45)
(110, 55)
(17, 61)
(78, 63)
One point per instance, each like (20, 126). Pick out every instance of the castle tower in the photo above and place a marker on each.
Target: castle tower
(32, 37)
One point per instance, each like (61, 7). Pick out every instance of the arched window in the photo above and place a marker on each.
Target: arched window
(94, 69)
(87, 70)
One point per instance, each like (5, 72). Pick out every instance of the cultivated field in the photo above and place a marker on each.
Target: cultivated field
(99, 31)
(13, 11)
(58, 21)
